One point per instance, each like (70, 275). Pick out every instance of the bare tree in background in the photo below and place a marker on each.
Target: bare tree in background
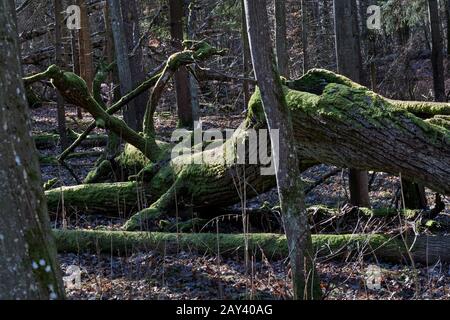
(59, 60)
(182, 82)
(281, 38)
(437, 55)
(348, 54)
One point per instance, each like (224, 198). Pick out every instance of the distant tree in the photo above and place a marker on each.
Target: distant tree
(447, 19)
(437, 55)
(130, 16)
(281, 38)
(59, 60)
(122, 60)
(85, 46)
(305, 36)
(182, 82)
(28, 265)
(348, 54)
(245, 57)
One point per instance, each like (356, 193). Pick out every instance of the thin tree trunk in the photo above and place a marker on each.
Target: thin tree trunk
(85, 46)
(193, 83)
(245, 57)
(28, 265)
(182, 83)
(281, 38)
(123, 62)
(290, 187)
(447, 19)
(130, 15)
(61, 114)
(348, 55)
(305, 36)
(75, 61)
(437, 59)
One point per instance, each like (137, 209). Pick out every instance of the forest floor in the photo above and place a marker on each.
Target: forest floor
(187, 275)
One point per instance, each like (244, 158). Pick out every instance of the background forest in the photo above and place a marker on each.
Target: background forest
(363, 110)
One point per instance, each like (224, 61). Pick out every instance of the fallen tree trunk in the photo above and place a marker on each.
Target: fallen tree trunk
(335, 122)
(53, 161)
(423, 248)
(50, 140)
(118, 199)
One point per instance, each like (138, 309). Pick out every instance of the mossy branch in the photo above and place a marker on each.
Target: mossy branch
(195, 51)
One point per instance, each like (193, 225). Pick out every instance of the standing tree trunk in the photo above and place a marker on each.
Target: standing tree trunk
(130, 15)
(75, 61)
(290, 187)
(61, 114)
(28, 265)
(348, 55)
(305, 36)
(123, 62)
(182, 83)
(281, 38)
(85, 45)
(245, 57)
(191, 36)
(447, 18)
(437, 59)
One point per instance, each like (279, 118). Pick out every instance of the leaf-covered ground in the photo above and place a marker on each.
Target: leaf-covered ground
(151, 275)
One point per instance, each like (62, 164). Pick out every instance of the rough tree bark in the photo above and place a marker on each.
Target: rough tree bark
(182, 83)
(348, 55)
(59, 61)
(85, 46)
(190, 26)
(281, 38)
(28, 266)
(290, 188)
(123, 62)
(245, 57)
(447, 20)
(437, 55)
(305, 36)
(130, 15)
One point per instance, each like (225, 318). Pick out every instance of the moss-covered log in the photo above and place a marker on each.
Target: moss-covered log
(335, 121)
(50, 140)
(424, 249)
(113, 199)
(53, 161)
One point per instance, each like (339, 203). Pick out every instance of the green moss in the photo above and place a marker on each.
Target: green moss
(112, 199)
(45, 140)
(50, 183)
(423, 109)
(273, 245)
(103, 172)
(367, 212)
(441, 121)
(315, 81)
(433, 225)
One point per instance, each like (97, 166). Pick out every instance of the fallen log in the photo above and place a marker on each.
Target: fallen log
(423, 248)
(53, 161)
(117, 199)
(50, 140)
(335, 121)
